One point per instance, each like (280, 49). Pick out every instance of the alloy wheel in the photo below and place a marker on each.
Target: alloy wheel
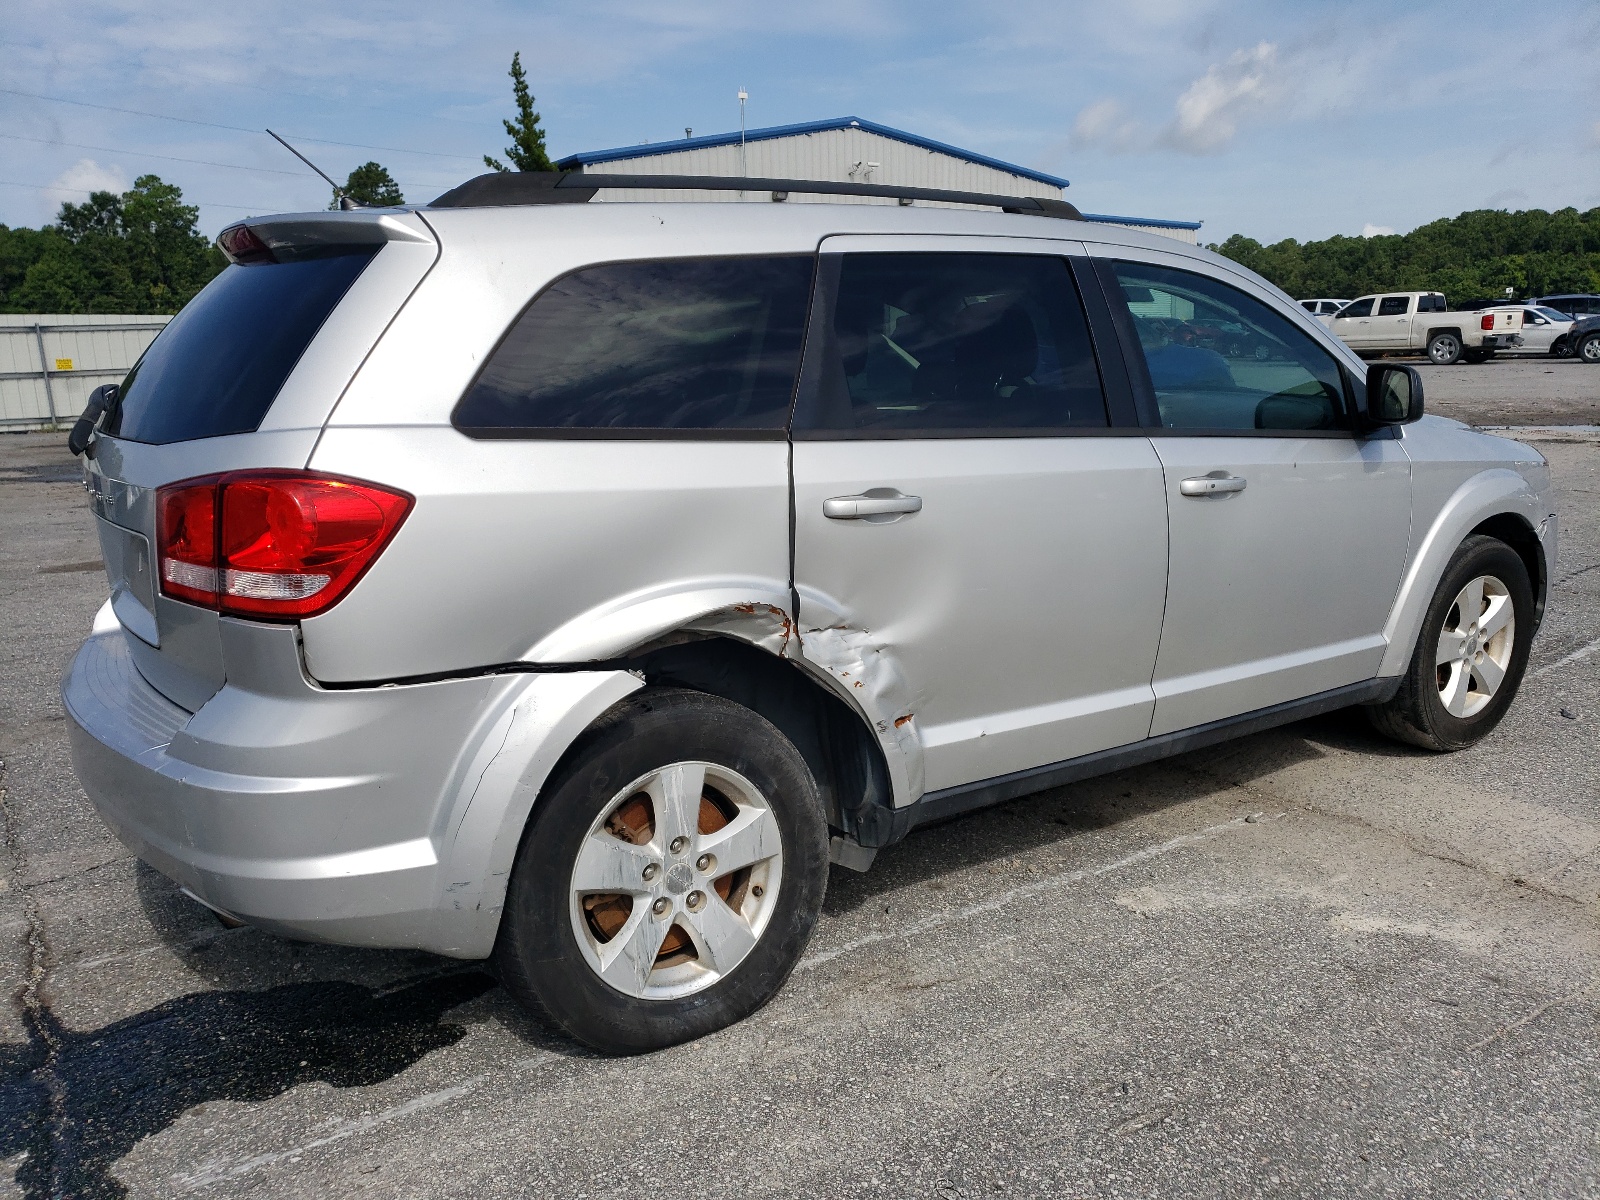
(1475, 645)
(676, 880)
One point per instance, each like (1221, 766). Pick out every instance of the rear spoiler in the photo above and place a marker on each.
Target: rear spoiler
(311, 235)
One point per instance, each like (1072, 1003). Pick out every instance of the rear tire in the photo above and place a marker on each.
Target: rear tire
(1444, 349)
(620, 922)
(1467, 666)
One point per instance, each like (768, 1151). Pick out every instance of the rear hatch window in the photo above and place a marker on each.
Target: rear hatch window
(217, 366)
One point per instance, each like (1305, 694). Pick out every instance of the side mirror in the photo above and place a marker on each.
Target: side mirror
(102, 398)
(1394, 395)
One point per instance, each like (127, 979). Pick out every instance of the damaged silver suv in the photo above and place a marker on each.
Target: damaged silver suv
(567, 583)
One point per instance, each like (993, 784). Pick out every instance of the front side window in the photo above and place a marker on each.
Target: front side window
(1357, 308)
(1221, 360)
(1394, 306)
(986, 343)
(684, 345)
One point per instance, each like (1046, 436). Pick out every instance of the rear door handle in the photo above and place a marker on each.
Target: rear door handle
(1218, 483)
(876, 503)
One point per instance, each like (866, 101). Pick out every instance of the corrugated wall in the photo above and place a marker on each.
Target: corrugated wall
(79, 354)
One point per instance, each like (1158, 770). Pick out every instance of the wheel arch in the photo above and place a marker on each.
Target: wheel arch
(1499, 502)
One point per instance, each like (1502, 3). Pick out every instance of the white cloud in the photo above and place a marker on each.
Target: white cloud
(1208, 114)
(86, 175)
(1106, 124)
(1369, 230)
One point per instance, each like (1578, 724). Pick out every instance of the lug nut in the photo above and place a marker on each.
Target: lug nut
(758, 891)
(678, 843)
(696, 899)
(704, 863)
(660, 906)
(651, 871)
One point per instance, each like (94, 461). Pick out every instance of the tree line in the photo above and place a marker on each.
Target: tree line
(1476, 254)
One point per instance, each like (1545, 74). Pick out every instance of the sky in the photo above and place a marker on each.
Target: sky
(1259, 117)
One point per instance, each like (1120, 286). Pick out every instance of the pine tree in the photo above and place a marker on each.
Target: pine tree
(371, 186)
(526, 152)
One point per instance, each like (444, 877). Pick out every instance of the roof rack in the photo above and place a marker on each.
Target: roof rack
(500, 188)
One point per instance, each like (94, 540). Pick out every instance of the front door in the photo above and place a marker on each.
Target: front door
(980, 555)
(1354, 323)
(1289, 532)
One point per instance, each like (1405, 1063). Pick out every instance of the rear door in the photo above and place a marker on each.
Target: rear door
(1288, 531)
(1391, 322)
(973, 525)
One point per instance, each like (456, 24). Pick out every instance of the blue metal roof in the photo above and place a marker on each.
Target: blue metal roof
(591, 157)
(1153, 222)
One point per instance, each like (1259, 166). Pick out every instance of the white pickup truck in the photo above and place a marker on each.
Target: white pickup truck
(1422, 321)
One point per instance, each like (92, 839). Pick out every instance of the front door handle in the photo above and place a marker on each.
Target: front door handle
(1218, 483)
(874, 504)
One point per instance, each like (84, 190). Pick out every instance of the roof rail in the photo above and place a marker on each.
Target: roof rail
(500, 188)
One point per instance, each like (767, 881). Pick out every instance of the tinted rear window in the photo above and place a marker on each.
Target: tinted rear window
(688, 344)
(217, 366)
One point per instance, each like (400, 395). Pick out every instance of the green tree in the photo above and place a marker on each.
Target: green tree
(371, 185)
(1474, 255)
(526, 152)
(139, 252)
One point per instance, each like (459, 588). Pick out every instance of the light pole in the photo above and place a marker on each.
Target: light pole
(744, 166)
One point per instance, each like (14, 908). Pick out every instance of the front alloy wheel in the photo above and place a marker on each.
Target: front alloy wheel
(1471, 653)
(1475, 646)
(1589, 350)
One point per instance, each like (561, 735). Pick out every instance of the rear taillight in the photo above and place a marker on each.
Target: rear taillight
(284, 544)
(1487, 321)
(241, 245)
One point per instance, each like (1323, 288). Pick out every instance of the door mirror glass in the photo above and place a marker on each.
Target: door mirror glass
(1394, 394)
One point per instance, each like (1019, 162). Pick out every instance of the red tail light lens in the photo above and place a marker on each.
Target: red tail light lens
(187, 522)
(1487, 321)
(284, 544)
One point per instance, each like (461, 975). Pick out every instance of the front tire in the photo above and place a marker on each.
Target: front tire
(1588, 350)
(1444, 349)
(1470, 655)
(670, 876)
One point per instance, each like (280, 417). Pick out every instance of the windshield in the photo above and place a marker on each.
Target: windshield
(217, 366)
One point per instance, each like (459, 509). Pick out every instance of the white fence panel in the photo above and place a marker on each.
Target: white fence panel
(50, 362)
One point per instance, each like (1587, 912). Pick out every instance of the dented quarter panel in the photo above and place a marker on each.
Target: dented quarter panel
(752, 610)
(549, 551)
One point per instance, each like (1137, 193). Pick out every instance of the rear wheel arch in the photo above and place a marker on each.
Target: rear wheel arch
(845, 757)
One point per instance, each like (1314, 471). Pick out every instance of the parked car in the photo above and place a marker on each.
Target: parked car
(567, 584)
(1323, 310)
(1577, 304)
(1423, 321)
(1583, 340)
(1544, 331)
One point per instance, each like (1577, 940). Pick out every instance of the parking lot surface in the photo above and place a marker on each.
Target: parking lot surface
(1309, 962)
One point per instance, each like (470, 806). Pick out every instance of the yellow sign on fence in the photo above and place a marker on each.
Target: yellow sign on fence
(63, 364)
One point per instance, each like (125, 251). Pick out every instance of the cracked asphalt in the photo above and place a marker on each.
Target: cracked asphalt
(1306, 963)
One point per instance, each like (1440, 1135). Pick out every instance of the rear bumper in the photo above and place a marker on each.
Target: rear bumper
(323, 815)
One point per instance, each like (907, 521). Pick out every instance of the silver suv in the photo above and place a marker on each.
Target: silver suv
(568, 583)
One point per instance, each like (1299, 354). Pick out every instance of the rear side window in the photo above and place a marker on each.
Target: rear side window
(687, 345)
(217, 366)
(1394, 306)
(923, 344)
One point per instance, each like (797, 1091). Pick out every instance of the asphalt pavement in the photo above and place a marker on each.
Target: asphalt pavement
(1306, 963)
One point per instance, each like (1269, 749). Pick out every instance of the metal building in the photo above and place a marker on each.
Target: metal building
(843, 150)
(50, 362)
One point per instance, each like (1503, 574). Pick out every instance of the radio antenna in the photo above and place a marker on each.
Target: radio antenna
(345, 202)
